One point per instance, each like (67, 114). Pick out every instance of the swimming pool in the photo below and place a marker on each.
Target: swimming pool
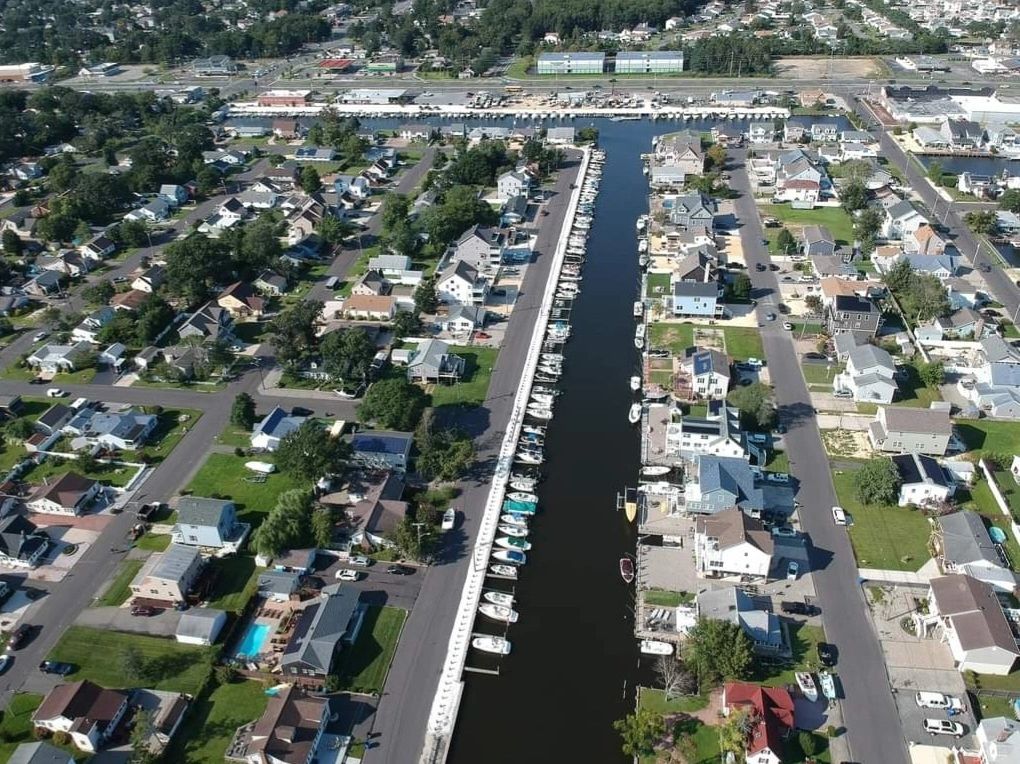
(254, 638)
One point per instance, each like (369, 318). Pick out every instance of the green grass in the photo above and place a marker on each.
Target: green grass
(743, 342)
(655, 700)
(1009, 489)
(1009, 330)
(98, 655)
(912, 391)
(236, 581)
(154, 542)
(985, 435)
(53, 466)
(662, 378)
(662, 598)
(234, 437)
(1008, 683)
(16, 725)
(803, 639)
(675, 337)
(251, 331)
(834, 218)
(474, 385)
(519, 68)
(981, 500)
(25, 373)
(118, 592)
(212, 720)
(168, 433)
(778, 462)
(885, 537)
(820, 373)
(657, 285)
(990, 706)
(363, 666)
(225, 475)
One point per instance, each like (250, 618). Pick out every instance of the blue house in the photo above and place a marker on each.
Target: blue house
(721, 482)
(209, 523)
(173, 194)
(696, 298)
(383, 449)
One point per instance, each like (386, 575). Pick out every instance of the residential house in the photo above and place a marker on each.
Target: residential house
(460, 284)
(173, 194)
(278, 585)
(693, 210)
(729, 543)
(209, 524)
(464, 319)
(54, 359)
(271, 283)
(241, 300)
(681, 150)
(923, 482)
(22, 222)
(832, 266)
(40, 752)
(130, 300)
(309, 655)
(11, 304)
(167, 577)
(924, 240)
(761, 132)
(964, 323)
(962, 133)
(374, 508)
(371, 284)
(211, 323)
(856, 315)
(698, 265)
(706, 373)
(382, 449)
(45, 284)
(736, 606)
(98, 248)
(273, 428)
(771, 715)
(370, 307)
(870, 375)
(900, 429)
(390, 266)
(963, 294)
(416, 132)
(480, 247)
(88, 330)
(69, 494)
(70, 264)
(793, 132)
(150, 279)
(940, 266)
(155, 211)
(87, 713)
(165, 710)
(200, 626)
(288, 129)
(902, 218)
(798, 179)
(961, 544)
(514, 212)
(995, 385)
(689, 298)
(53, 419)
(717, 434)
(817, 240)
(432, 361)
(998, 740)
(513, 183)
(22, 544)
(719, 482)
(825, 132)
(227, 215)
(125, 430)
(288, 732)
(967, 615)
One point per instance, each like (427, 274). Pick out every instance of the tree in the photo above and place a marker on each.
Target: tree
(854, 196)
(983, 222)
(640, 732)
(733, 734)
(194, 264)
(426, 300)
(932, 374)
(857, 170)
(141, 730)
(309, 180)
(413, 539)
(347, 354)
(813, 303)
(867, 224)
(293, 332)
(442, 453)
(322, 527)
(877, 482)
(405, 324)
(259, 247)
(13, 245)
(786, 242)
(671, 675)
(98, 293)
(18, 430)
(155, 315)
(393, 403)
(133, 663)
(333, 230)
(898, 277)
(718, 650)
(1010, 200)
(935, 173)
(740, 289)
(242, 412)
(287, 526)
(310, 453)
(808, 743)
(755, 404)
(395, 209)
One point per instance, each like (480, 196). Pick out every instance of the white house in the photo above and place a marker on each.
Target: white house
(273, 428)
(922, 480)
(200, 626)
(459, 284)
(717, 434)
(729, 543)
(706, 372)
(511, 184)
(966, 614)
(870, 375)
(901, 218)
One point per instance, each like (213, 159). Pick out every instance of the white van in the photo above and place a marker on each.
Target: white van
(332, 282)
(838, 516)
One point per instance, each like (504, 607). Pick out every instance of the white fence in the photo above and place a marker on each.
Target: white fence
(1000, 500)
(447, 699)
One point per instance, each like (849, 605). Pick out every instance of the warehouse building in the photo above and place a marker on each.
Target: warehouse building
(571, 63)
(650, 62)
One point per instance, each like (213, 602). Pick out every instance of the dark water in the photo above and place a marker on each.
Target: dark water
(975, 165)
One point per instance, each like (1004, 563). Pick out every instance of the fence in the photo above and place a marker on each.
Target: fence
(1000, 499)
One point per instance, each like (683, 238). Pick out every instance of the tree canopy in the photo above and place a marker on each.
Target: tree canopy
(719, 650)
(310, 453)
(877, 482)
(393, 403)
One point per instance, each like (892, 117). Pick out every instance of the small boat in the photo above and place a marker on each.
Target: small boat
(510, 556)
(642, 246)
(510, 542)
(643, 261)
(627, 569)
(522, 496)
(498, 613)
(499, 598)
(634, 416)
(654, 647)
(630, 503)
(639, 309)
(507, 571)
(522, 485)
(540, 413)
(544, 399)
(529, 457)
(828, 685)
(520, 507)
(642, 222)
(514, 521)
(807, 685)
(494, 645)
(639, 342)
(514, 531)
(635, 383)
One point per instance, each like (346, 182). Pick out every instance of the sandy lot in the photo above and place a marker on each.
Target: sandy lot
(810, 67)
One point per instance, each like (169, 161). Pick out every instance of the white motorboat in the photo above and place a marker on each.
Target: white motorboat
(513, 531)
(545, 400)
(499, 598)
(655, 647)
(635, 383)
(494, 645)
(639, 309)
(642, 222)
(510, 556)
(642, 246)
(498, 613)
(517, 521)
(807, 685)
(522, 496)
(532, 429)
(639, 342)
(522, 485)
(529, 457)
(634, 416)
(513, 542)
(655, 471)
(540, 413)
(643, 261)
(507, 571)
(828, 685)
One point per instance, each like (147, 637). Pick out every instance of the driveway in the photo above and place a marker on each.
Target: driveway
(120, 619)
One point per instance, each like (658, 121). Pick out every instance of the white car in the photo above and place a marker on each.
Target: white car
(358, 561)
(838, 516)
(792, 570)
(942, 727)
(348, 575)
(787, 325)
(40, 336)
(936, 700)
(55, 392)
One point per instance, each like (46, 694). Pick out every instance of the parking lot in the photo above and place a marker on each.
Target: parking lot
(377, 587)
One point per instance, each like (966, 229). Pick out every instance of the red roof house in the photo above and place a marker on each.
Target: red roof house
(771, 716)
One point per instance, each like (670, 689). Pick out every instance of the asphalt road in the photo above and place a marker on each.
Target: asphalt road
(868, 708)
(404, 708)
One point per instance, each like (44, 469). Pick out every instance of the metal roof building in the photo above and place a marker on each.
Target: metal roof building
(650, 62)
(571, 63)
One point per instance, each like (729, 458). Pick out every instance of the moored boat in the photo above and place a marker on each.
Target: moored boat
(635, 383)
(828, 685)
(506, 571)
(655, 647)
(634, 415)
(494, 645)
(523, 496)
(655, 470)
(499, 598)
(627, 569)
(510, 542)
(520, 507)
(510, 556)
(498, 613)
(522, 485)
(513, 531)
(512, 520)
(639, 309)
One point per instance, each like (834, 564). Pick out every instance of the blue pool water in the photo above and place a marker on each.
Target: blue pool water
(254, 638)
(997, 534)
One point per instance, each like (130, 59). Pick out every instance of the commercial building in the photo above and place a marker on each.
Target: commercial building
(571, 63)
(285, 98)
(650, 62)
(214, 66)
(24, 72)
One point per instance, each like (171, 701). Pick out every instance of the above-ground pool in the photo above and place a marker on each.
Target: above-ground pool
(254, 638)
(997, 534)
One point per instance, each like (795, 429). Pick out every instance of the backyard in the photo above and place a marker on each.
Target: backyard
(16, 726)
(210, 725)
(803, 639)
(657, 285)
(985, 435)
(117, 592)
(173, 425)
(225, 475)
(674, 337)
(706, 738)
(886, 536)
(99, 657)
(741, 342)
(236, 579)
(912, 391)
(363, 666)
(834, 218)
(474, 385)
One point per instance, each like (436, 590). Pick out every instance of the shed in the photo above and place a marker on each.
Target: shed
(200, 626)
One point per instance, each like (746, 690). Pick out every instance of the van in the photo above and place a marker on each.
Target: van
(332, 281)
(838, 516)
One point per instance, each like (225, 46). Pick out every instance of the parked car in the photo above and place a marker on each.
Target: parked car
(792, 607)
(40, 336)
(788, 326)
(348, 575)
(785, 531)
(20, 636)
(936, 700)
(147, 511)
(942, 727)
(400, 570)
(842, 394)
(792, 570)
(759, 267)
(55, 392)
(55, 667)
(770, 316)
(358, 561)
(143, 610)
(838, 516)
(828, 655)
(5, 662)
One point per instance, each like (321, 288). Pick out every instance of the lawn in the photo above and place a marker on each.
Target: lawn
(25, 373)
(234, 437)
(834, 218)
(363, 666)
(172, 426)
(990, 706)
(235, 583)
(912, 391)
(655, 700)
(474, 385)
(226, 476)
(985, 435)
(778, 462)
(803, 639)
(251, 331)
(99, 656)
(886, 537)
(743, 342)
(154, 542)
(16, 726)
(657, 285)
(663, 598)
(212, 720)
(819, 373)
(53, 466)
(1009, 489)
(675, 337)
(117, 592)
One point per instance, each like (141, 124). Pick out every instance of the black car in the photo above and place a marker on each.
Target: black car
(792, 607)
(759, 267)
(400, 570)
(20, 636)
(827, 654)
(55, 667)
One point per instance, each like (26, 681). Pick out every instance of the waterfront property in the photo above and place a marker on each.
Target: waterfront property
(571, 63)
(649, 62)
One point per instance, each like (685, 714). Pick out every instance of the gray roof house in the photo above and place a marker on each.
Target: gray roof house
(817, 240)
(432, 361)
(693, 209)
(321, 627)
(200, 626)
(121, 430)
(900, 429)
(210, 322)
(970, 619)
(922, 480)
(273, 428)
(850, 313)
(998, 740)
(382, 449)
(278, 584)
(962, 545)
(209, 523)
(40, 752)
(22, 544)
(720, 482)
(736, 606)
(57, 358)
(870, 374)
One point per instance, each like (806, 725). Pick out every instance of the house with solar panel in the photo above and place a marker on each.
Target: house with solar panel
(382, 449)
(923, 481)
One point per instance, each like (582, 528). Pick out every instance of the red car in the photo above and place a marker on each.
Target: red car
(482, 336)
(143, 610)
